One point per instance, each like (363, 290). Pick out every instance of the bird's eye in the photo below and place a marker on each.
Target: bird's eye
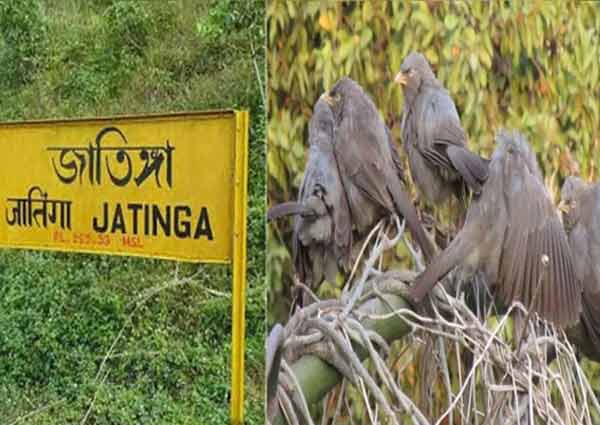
(411, 72)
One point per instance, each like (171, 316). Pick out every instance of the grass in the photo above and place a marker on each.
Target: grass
(60, 313)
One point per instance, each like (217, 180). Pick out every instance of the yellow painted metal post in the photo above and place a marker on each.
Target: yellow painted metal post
(238, 318)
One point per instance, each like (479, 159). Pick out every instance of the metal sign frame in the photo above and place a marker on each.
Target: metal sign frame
(238, 316)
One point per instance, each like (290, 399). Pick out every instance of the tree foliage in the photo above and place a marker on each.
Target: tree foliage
(529, 65)
(22, 31)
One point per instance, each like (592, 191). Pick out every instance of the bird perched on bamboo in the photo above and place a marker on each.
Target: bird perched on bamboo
(514, 235)
(352, 180)
(369, 165)
(580, 205)
(433, 137)
(322, 236)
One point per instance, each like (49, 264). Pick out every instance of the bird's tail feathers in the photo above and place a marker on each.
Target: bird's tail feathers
(286, 209)
(405, 207)
(473, 168)
(591, 323)
(459, 248)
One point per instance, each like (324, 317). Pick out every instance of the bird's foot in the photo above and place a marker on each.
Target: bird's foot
(386, 241)
(415, 302)
(375, 272)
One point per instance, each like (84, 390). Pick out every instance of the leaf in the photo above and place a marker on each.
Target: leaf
(473, 62)
(485, 58)
(275, 168)
(326, 22)
(422, 16)
(450, 22)
(432, 56)
(311, 8)
(367, 11)
(365, 37)
(482, 78)
(469, 36)
(346, 49)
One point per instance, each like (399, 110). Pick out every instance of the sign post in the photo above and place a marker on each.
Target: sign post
(170, 186)
(239, 270)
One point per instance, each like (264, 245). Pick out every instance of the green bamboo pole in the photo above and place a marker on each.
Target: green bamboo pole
(317, 377)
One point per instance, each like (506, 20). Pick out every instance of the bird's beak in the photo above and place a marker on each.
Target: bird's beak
(563, 206)
(400, 78)
(328, 99)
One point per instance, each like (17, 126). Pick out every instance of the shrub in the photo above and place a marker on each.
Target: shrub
(22, 32)
(127, 26)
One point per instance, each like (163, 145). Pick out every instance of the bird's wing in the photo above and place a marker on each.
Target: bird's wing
(395, 155)
(439, 120)
(407, 208)
(364, 152)
(472, 168)
(591, 216)
(588, 271)
(443, 140)
(300, 255)
(460, 247)
(274, 354)
(321, 176)
(534, 231)
(580, 248)
(286, 209)
(585, 240)
(327, 175)
(585, 245)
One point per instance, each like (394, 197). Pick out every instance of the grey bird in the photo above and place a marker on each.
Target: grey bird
(273, 357)
(580, 204)
(433, 137)
(369, 165)
(513, 234)
(322, 237)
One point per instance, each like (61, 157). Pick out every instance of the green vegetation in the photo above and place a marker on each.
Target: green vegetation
(529, 65)
(169, 323)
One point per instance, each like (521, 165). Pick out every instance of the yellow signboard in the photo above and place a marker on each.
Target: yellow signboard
(162, 186)
(158, 186)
